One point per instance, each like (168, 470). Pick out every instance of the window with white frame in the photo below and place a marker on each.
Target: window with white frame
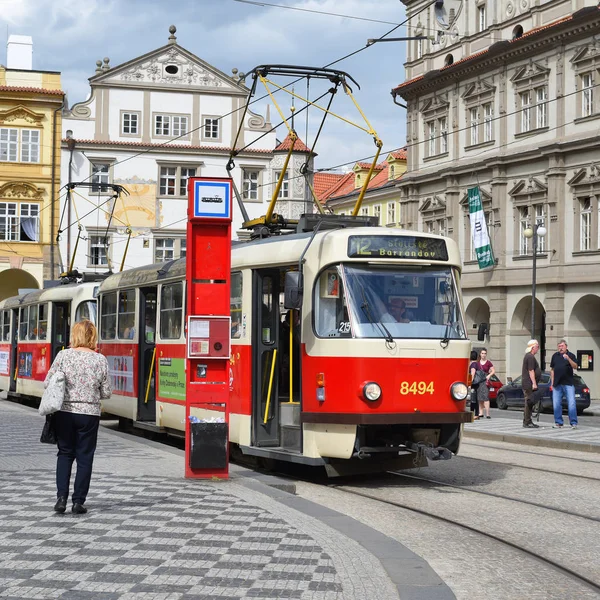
(173, 180)
(525, 111)
(130, 123)
(436, 225)
(164, 249)
(540, 220)
(250, 184)
(488, 122)
(541, 107)
(523, 225)
(437, 136)
(211, 128)
(534, 109)
(585, 223)
(391, 213)
(100, 176)
(587, 95)
(431, 138)
(419, 49)
(19, 222)
(377, 212)
(182, 247)
(19, 145)
(364, 211)
(284, 191)
(481, 18)
(170, 125)
(98, 246)
(443, 124)
(474, 125)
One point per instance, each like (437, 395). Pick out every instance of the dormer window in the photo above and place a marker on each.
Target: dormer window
(448, 60)
(517, 32)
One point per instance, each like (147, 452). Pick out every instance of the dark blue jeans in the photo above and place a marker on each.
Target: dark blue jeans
(77, 436)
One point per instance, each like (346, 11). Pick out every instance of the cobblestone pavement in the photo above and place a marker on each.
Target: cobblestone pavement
(152, 534)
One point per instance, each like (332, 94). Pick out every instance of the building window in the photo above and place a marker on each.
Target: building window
(377, 212)
(29, 146)
(525, 111)
(171, 125)
(542, 107)
(488, 122)
(587, 96)
(419, 49)
(98, 256)
(250, 184)
(481, 18)
(284, 191)
(19, 222)
(585, 223)
(164, 249)
(173, 181)
(523, 225)
(211, 129)
(540, 219)
(437, 136)
(100, 177)
(474, 124)
(443, 124)
(130, 123)
(391, 213)
(437, 226)
(182, 247)
(431, 138)
(364, 211)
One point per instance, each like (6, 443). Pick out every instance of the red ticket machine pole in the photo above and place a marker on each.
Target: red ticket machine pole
(208, 327)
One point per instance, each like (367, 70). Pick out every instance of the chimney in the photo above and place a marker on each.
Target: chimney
(19, 52)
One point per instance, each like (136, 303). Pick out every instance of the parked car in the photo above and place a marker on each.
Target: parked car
(494, 384)
(511, 394)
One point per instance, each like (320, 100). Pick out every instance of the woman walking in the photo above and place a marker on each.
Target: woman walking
(76, 424)
(483, 392)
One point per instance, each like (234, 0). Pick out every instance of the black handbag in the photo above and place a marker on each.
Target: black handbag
(480, 376)
(48, 432)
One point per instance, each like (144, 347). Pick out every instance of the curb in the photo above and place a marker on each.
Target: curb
(532, 441)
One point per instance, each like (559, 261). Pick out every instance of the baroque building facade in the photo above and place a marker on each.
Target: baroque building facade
(30, 122)
(149, 125)
(505, 97)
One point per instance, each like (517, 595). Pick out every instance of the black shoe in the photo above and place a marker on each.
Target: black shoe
(530, 425)
(79, 509)
(61, 504)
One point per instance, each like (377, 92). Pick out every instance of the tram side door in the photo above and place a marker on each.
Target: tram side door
(265, 358)
(60, 327)
(147, 355)
(14, 342)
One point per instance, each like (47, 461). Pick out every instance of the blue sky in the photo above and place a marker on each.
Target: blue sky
(71, 35)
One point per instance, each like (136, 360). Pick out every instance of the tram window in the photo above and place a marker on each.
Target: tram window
(171, 311)
(32, 329)
(108, 316)
(23, 322)
(86, 310)
(42, 327)
(6, 326)
(236, 305)
(270, 316)
(126, 319)
(331, 315)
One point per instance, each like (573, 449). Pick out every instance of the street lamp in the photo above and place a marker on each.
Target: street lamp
(534, 232)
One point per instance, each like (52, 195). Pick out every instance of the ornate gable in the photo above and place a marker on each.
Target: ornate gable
(21, 191)
(586, 180)
(586, 57)
(20, 113)
(434, 204)
(434, 106)
(478, 91)
(170, 66)
(526, 191)
(530, 74)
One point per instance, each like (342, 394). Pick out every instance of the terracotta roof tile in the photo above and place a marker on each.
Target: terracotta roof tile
(299, 146)
(323, 182)
(483, 52)
(164, 145)
(367, 165)
(14, 88)
(399, 154)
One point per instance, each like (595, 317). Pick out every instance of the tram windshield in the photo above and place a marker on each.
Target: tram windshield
(381, 302)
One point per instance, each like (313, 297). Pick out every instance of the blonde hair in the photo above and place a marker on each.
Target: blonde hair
(84, 335)
(531, 344)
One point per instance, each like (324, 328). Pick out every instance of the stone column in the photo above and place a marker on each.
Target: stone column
(498, 320)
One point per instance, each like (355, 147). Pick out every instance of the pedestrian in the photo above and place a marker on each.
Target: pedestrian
(562, 364)
(483, 392)
(473, 371)
(77, 422)
(530, 377)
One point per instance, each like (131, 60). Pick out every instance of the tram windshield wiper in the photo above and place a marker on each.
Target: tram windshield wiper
(366, 308)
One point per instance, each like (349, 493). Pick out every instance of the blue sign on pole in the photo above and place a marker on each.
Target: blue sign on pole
(212, 199)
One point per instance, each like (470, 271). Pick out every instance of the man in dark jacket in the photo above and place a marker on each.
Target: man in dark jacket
(561, 379)
(530, 377)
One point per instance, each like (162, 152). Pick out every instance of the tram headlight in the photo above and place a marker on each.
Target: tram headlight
(371, 391)
(459, 390)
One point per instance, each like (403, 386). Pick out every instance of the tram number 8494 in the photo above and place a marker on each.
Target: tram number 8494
(416, 387)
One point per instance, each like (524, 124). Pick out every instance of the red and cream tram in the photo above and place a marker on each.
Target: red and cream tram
(34, 328)
(349, 348)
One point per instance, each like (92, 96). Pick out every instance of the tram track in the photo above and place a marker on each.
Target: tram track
(549, 562)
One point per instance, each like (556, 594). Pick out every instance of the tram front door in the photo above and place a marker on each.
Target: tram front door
(265, 358)
(147, 355)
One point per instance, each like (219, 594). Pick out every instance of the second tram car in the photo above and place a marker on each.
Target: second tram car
(349, 348)
(34, 328)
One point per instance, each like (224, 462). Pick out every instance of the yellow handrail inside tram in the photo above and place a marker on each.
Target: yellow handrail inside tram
(270, 386)
(150, 376)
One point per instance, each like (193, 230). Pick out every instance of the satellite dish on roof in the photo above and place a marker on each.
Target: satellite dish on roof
(447, 11)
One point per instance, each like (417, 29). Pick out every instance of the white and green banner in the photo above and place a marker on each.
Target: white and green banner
(479, 232)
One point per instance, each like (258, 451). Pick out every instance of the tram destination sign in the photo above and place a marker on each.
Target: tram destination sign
(396, 246)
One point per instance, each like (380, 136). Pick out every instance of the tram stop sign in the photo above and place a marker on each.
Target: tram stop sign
(208, 267)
